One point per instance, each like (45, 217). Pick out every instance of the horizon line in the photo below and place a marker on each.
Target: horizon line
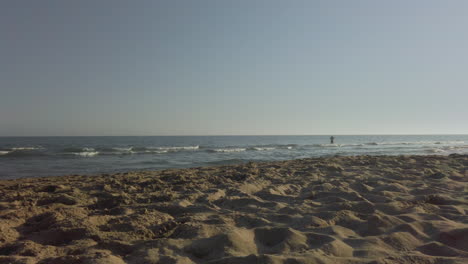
(248, 135)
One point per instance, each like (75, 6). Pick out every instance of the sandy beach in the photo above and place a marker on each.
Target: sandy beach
(362, 209)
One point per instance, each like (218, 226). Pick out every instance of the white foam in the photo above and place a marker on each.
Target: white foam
(176, 148)
(156, 151)
(4, 152)
(456, 147)
(263, 148)
(452, 142)
(24, 148)
(87, 153)
(437, 151)
(329, 145)
(120, 151)
(88, 149)
(229, 150)
(417, 143)
(334, 145)
(124, 149)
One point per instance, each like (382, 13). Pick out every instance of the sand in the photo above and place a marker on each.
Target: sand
(364, 209)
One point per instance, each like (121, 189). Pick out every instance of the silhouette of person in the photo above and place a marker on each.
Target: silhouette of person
(332, 139)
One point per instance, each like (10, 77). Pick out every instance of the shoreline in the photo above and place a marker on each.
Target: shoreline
(105, 174)
(340, 209)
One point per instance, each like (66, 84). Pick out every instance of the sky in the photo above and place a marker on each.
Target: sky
(246, 67)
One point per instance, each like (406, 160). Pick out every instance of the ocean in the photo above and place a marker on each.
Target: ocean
(52, 156)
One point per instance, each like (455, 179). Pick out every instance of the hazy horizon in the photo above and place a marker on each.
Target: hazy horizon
(245, 135)
(162, 68)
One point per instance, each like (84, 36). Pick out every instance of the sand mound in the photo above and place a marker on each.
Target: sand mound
(380, 210)
(457, 238)
(239, 242)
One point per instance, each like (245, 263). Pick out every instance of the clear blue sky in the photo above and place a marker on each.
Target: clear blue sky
(174, 67)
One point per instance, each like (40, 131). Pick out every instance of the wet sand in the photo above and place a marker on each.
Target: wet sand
(363, 209)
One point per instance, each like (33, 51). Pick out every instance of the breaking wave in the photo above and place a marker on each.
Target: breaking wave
(416, 143)
(262, 148)
(229, 150)
(328, 145)
(90, 152)
(403, 147)
(116, 151)
(164, 149)
(25, 148)
(177, 148)
(83, 152)
(391, 143)
(22, 151)
(251, 148)
(87, 153)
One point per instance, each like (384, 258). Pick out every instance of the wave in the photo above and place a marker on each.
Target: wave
(139, 149)
(25, 148)
(83, 152)
(173, 149)
(116, 151)
(450, 142)
(91, 152)
(76, 149)
(262, 148)
(165, 149)
(4, 152)
(436, 151)
(327, 145)
(459, 147)
(390, 143)
(229, 150)
(21, 151)
(455, 149)
(416, 143)
(87, 153)
(272, 147)
(442, 147)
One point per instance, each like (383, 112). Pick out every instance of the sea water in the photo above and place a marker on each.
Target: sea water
(52, 156)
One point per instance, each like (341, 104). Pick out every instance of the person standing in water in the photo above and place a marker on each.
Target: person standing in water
(332, 139)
